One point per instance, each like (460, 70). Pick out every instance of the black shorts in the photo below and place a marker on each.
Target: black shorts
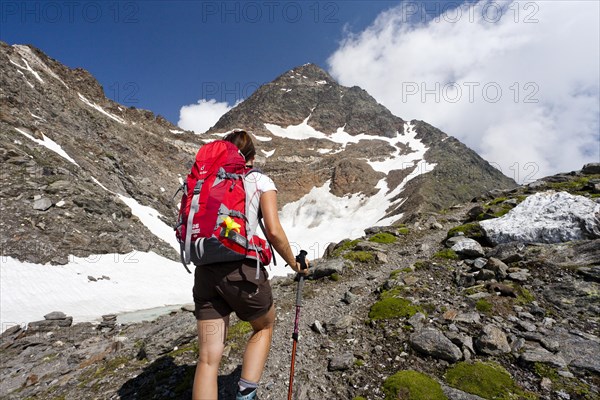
(222, 288)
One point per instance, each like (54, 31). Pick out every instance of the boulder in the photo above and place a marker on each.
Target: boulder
(326, 268)
(492, 341)
(547, 217)
(591, 169)
(341, 362)
(468, 248)
(433, 343)
(42, 204)
(54, 315)
(507, 252)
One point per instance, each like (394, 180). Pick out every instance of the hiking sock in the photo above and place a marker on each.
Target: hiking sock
(246, 387)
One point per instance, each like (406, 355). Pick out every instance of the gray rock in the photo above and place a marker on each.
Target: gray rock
(547, 217)
(479, 263)
(455, 394)
(190, 307)
(42, 204)
(341, 362)
(485, 275)
(580, 352)
(591, 169)
(468, 248)
(55, 315)
(417, 321)
(49, 324)
(590, 273)
(507, 252)
(492, 341)
(519, 276)
(318, 327)
(454, 240)
(433, 343)
(496, 265)
(341, 323)
(327, 268)
(539, 354)
(468, 318)
(349, 297)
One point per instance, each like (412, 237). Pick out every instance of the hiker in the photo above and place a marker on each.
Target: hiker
(221, 288)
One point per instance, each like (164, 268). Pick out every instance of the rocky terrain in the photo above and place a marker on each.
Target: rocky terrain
(438, 308)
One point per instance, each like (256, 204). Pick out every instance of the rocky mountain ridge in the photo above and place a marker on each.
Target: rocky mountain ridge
(428, 310)
(73, 158)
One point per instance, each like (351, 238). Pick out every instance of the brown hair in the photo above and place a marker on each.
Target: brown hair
(243, 141)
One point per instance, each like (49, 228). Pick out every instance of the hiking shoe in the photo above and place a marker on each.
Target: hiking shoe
(249, 396)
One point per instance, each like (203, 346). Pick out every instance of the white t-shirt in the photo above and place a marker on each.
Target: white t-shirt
(256, 183)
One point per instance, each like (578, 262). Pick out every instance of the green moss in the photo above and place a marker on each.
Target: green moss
(360, 256)
(483, 306)
(412, 385)
(335, 277)
(403, 231)
(573, 185)
(447, 254)
(359, 398)
(359, 363)
(192, 347)
(524, 296)
(239, 329)
(390, 307)
(521, 198)
(497, 200)
(383, 237)
(485, 379)
(420, 264)
(472, 230)
(344, 247)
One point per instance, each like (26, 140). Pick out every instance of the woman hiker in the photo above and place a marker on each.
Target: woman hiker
(222, 288)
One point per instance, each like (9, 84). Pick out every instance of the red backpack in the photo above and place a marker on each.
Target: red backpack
(212, 219)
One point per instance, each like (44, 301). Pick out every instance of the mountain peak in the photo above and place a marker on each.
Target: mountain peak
(306, 73)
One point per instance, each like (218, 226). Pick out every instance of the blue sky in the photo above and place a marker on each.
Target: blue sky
(517, 81)
(161, 55)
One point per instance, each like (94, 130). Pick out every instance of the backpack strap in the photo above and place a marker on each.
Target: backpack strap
(186, 256)
(262, 228)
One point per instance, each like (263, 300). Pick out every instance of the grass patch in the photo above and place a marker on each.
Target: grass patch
(485, 379)
(447, 254)
(472, 230)
(360, 256)
(237, 332)
(403, 231)
(344, 247)
(483, 306)
(192, 347)
(334, 277)
(383, 237)
(497, 200)
(396, 273)
(359, 398)
(420, 264)
(524, 296)
(392, 306)
(412, 385)
(359, 363)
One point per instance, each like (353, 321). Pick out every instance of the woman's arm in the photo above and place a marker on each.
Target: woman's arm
(274, 230)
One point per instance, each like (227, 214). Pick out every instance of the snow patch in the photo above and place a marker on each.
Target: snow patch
(36, 117)
(321, 82)
(102, 110)
(138, 280)
(268, 153)
(548, 217)
(176, 131)
(49, 144)
(262, 138)
(36, 62)
(26, 81)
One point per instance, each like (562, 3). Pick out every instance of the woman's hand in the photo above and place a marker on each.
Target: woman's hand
(298, 267)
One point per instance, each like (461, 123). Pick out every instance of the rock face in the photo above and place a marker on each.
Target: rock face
(433, 343)
(547, 217)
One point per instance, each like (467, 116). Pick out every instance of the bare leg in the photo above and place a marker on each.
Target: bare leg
(257, 349)
(211, 342)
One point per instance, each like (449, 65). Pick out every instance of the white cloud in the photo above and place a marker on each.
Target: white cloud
(543, 57)
(202, 116)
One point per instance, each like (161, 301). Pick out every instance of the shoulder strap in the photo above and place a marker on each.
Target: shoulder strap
(262, 228)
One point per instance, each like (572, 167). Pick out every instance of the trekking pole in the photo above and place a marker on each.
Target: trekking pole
(301, 258)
